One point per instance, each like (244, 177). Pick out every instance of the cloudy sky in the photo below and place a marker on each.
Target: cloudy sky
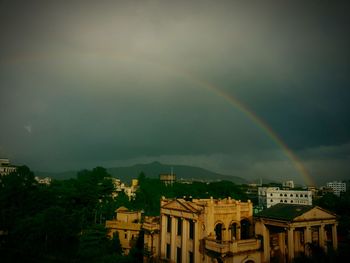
(86, 83)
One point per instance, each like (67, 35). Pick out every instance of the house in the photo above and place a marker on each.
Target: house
(289, 231)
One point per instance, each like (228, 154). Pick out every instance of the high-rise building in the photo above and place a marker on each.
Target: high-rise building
(337, 187)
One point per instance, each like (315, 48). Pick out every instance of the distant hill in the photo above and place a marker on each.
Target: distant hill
(153, 170)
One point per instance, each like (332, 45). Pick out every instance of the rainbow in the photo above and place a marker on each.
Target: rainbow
(260, 123)
(232, 100)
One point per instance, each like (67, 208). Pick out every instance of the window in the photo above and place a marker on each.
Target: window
(168, 225)
(178, 255)
(285, 195)
(296, 195)
(191, 229)
(191, 258)
(168, 251)
(291, 195)
(271, 194)
(271, 201)
(285, 201)
(291, 201)
(281, 201)
(281, 194)
(179, 226)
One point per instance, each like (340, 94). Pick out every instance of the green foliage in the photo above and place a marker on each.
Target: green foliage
(151, 190)
(64, 222)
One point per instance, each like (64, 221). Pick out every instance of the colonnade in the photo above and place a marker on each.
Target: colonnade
(295, 244)
(184, 242)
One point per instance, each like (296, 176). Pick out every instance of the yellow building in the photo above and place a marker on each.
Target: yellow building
(128, 225)
(151, 230)
(289, 231)
(207, 230)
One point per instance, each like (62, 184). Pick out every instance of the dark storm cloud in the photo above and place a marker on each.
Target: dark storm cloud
(85, 82)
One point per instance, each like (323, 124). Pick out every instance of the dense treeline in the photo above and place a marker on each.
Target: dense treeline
(64, 222)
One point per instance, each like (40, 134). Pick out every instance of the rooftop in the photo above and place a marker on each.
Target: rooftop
(285, 212)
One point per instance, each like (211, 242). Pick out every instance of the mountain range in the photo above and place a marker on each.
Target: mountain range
(152, 170)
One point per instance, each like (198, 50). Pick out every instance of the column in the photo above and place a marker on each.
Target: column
(290, 244)
(334, 237)
(163, 232)
(238, 234)
(307, 240)
(196, 238)
(184, 238)
(173, 239)
(266, 242)
(322, 236)
(282, 244)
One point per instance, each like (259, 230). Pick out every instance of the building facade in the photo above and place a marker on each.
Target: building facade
(289, 231)
(151, 228)
(337, 187)
(288, 184)
(207, 230)
(127, 225)
(5, 167)
(270, 196)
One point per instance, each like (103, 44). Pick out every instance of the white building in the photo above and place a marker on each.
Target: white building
(337, 187)
(288, 184)
(5, 167)
(130, 191)
(44, 181)
(269, 196)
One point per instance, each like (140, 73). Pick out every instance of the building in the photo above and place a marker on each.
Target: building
(289, 231)
(130, 191)
(127, 225)
(43, 181)
(269, 196)
(151, 228)
(288, 184)
(168, 179)
(337, 187)
(5, 167)
(207, 230)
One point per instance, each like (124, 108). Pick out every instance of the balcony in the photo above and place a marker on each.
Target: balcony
(231, 247)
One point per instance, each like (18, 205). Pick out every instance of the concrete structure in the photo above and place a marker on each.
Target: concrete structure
(5, 167)
(127, 225)
(151, 228)
(43, 181)
(130, 191)
(270, 196)
(289, 231)
(337, 187)
(207, 230)
(288, 184)
(168, 179)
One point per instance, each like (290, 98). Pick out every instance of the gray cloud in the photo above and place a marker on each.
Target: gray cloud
(117, 82)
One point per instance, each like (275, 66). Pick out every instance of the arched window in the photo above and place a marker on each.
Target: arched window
(233, 230)
(218, 231)
(245, 229)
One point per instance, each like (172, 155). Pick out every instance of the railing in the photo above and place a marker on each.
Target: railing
(226, 247)
(123, 225)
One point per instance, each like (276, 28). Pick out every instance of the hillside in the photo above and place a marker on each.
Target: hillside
(153, 170)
